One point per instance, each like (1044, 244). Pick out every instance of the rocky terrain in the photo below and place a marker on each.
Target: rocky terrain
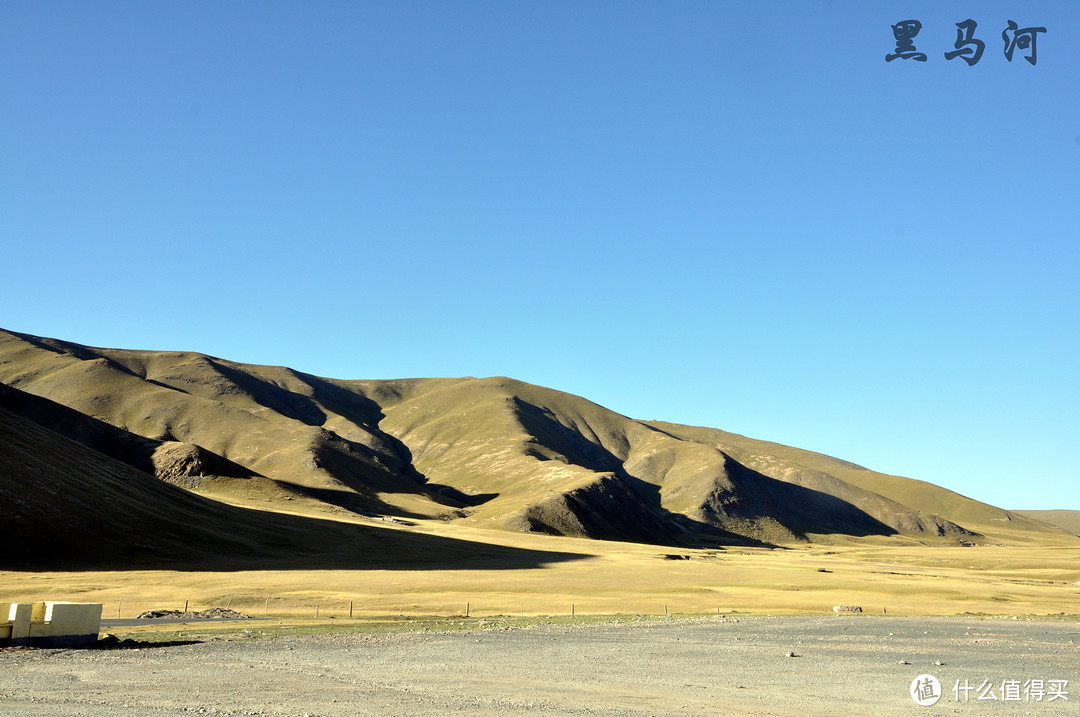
(780, 667)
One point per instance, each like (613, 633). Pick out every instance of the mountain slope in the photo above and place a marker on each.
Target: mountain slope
(795, 464)
(69, 507)
(1068, 520)
(493, 452)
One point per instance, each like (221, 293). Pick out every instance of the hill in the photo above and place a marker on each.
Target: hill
(490, 452)
(69, 507)
(1065, 519)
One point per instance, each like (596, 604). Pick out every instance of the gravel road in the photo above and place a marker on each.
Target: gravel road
(717, 666)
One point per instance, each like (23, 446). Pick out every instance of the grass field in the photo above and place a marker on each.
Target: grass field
(900, 577)
(286, 495)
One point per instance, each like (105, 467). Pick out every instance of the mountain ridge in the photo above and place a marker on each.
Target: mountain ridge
(69, 507)
(493, 452)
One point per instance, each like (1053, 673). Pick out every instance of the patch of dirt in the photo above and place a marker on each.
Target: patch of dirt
(214, 612)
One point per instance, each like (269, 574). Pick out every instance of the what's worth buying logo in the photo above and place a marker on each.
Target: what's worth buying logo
(926, 690)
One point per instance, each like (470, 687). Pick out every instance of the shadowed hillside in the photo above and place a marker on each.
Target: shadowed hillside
(68, 507)
(490, 452)
(797, 465)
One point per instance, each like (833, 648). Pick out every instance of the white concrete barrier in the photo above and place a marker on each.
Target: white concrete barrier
(50, 624)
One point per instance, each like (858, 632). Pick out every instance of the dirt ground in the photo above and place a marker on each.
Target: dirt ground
(718, 666)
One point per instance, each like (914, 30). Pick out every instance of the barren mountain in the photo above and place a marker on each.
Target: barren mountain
(492, 452)
(69, 507)
(1068, 520)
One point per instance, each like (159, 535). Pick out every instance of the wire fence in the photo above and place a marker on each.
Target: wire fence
(270, 605)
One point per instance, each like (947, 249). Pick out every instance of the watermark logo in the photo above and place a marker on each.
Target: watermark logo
(1013, 690)
(925, 690)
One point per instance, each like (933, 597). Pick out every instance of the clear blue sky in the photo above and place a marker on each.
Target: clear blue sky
(730, 214)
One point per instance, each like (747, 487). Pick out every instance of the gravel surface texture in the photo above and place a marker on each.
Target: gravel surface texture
(846, 665)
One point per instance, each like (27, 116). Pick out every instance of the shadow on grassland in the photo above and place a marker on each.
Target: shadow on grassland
(227, 538)
(67, 507)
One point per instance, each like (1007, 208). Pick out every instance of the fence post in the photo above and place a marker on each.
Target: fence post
(350, 608)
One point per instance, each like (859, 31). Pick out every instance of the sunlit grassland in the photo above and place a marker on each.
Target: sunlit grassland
(882, 575)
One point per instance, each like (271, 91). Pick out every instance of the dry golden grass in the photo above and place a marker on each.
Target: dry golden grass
(902, 577)
(480, 454)
(1066, 519)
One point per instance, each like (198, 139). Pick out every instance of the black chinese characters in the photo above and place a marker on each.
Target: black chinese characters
(967, 46)
(905, 32)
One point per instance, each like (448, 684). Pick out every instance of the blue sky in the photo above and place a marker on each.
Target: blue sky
(729, 214)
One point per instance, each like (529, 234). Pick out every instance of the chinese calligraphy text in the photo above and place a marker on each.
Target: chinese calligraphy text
(968, 47)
